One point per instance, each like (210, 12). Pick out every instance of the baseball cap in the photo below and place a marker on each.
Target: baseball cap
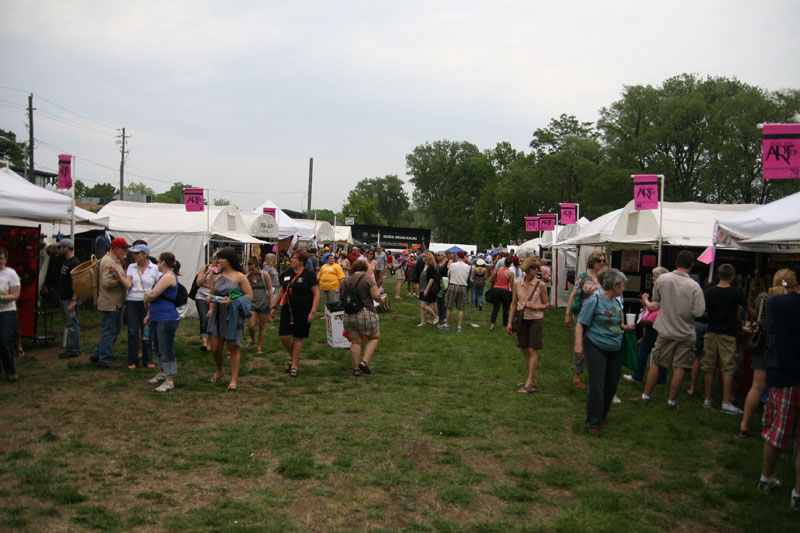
(480, 262)
(119, 242)
(461, 254)
(141, 248)
(66, 243)
(515, 260)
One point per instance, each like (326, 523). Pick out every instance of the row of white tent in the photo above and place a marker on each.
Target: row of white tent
(770, 228)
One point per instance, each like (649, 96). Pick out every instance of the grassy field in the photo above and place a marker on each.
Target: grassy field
(436, 439)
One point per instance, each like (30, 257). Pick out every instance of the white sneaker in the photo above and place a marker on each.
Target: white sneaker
(165, 387)
(616, 399)
(730, 409)
(767, 486)
(708, 404)
(458, 330)
(158, 377)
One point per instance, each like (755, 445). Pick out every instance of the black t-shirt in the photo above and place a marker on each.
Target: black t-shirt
(299, 292)
(722, 306)
(65, 278)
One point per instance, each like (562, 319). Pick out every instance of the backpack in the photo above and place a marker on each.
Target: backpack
(351, 300)
(181, 297)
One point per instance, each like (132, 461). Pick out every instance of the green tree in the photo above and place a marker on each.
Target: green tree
(11, 149)
(138, 188)
(365, 210)
(104, 191)
(325, 214)
(448, 178)
(173, 195)
(391, 200)
(80, 189)
(221, 202)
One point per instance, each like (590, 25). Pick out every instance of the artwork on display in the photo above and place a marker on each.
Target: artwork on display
(23, 256)
(630, 260)
(649, 261)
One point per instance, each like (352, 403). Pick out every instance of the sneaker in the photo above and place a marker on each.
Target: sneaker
(158, 377)
(794, 502)
(165, 387)
(443, 327)
(65, 355)
(131, 366)
(672, 406)
(616, 400)
(767, 486)
(708, 404)
(629, 377)
(639, 400)
(458, 330)
(730, 409)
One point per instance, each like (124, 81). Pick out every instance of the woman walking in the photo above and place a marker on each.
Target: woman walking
(598, 341)
(399, 273)
(9, 294)
(261, 285)
(225, 325)
(299, 298)
(501, 290)
(780, 284)
(589, 283)
(411, 275)
(479, 273)
(344, 262)
(330, 277)
(364, 322)
(271, 269)
(201, 298)
(529, 299)
(428, 285)
(164, 319)
(371, 263)
(142, 276)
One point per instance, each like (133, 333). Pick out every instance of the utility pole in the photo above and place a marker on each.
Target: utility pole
(310, 175)
(32, 175)
(123, 137)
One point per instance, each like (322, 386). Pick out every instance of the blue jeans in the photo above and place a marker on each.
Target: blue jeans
(164, 341)
(8, 326)
(649, 336)
(135, 313)
(110, 326)
(73, 327)
(477, 296)
(202, 312)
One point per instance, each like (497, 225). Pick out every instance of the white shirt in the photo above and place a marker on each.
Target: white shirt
(458, 273)
(8, 279)
(149, 277)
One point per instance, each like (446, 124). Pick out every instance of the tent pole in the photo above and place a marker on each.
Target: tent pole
(72, 219)
(660, 218)
(208, 227)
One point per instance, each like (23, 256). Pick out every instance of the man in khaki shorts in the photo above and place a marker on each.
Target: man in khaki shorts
(722, 305)
(680, 300)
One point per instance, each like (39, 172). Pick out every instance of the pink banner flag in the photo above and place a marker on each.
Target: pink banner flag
(547, 222)
(780, 155)
(707, 256)
(193, 198)
(64, 171)
(269, 211)
(531, 224)
(569, 213)
(645, 191)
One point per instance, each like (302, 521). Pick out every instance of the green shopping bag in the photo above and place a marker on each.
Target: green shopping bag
(630, 350)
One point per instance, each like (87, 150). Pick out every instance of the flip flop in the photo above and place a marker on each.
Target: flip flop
(259, 352)
(743, 434)
(527, 390)
(293, 372)
(212, 380)
(232, 388)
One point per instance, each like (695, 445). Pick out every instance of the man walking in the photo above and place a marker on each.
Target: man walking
(719, 343)
(456, 294)
(68, 299)
(680, 299)
(113, 285)
(380, 260)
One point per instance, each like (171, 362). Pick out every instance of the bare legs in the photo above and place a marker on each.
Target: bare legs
(294, 347)
(355, 348)
(424, 309)
(753, 398)
(531, 361)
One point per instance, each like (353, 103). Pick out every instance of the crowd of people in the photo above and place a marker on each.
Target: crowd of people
(682, 326)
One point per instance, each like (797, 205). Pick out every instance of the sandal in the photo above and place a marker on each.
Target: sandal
(527, 390)
(744, 433)
(249, 346)
(357, 372)
(288, 366)
(259, 352)
(232, 388)
(420, 325)
(293, 372)
(364, 367)
(212, 379)
(579, 384)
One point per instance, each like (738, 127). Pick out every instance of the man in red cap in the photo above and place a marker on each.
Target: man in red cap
(113, 285)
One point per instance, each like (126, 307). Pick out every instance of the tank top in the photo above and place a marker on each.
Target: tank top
(501, 282)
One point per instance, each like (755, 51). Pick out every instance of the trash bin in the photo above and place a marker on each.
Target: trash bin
(334, 326)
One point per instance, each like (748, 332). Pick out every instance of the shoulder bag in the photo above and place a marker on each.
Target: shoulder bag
(577, 302)
(756, 343)
(516, 322)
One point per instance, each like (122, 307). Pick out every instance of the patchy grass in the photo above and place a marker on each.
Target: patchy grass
(436, 439)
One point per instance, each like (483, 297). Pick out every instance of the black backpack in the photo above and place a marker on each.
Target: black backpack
(181, 297)
(351, 300)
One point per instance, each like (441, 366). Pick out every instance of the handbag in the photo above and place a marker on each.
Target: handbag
(489, 296)
(629, 352)
(577, 302)
(755, 344)
(516, 320)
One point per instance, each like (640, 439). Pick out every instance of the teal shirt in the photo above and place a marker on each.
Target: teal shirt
(602, 319)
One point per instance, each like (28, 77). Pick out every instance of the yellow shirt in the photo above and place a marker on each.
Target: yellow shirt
(329, 277)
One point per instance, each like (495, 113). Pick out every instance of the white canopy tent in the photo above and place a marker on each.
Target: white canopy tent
(287, 227)
(774, 227)
(20, 198)
(170, 228)
(261, 226)
(344, 234)
(323, 231)
(434, 247)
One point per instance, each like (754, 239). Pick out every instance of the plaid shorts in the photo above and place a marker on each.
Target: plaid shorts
(456, 296)
(365, 322)
(781, 416)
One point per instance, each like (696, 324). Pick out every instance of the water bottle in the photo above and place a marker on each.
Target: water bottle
(146, 333)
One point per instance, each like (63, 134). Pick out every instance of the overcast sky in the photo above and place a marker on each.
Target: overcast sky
(236, 96)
